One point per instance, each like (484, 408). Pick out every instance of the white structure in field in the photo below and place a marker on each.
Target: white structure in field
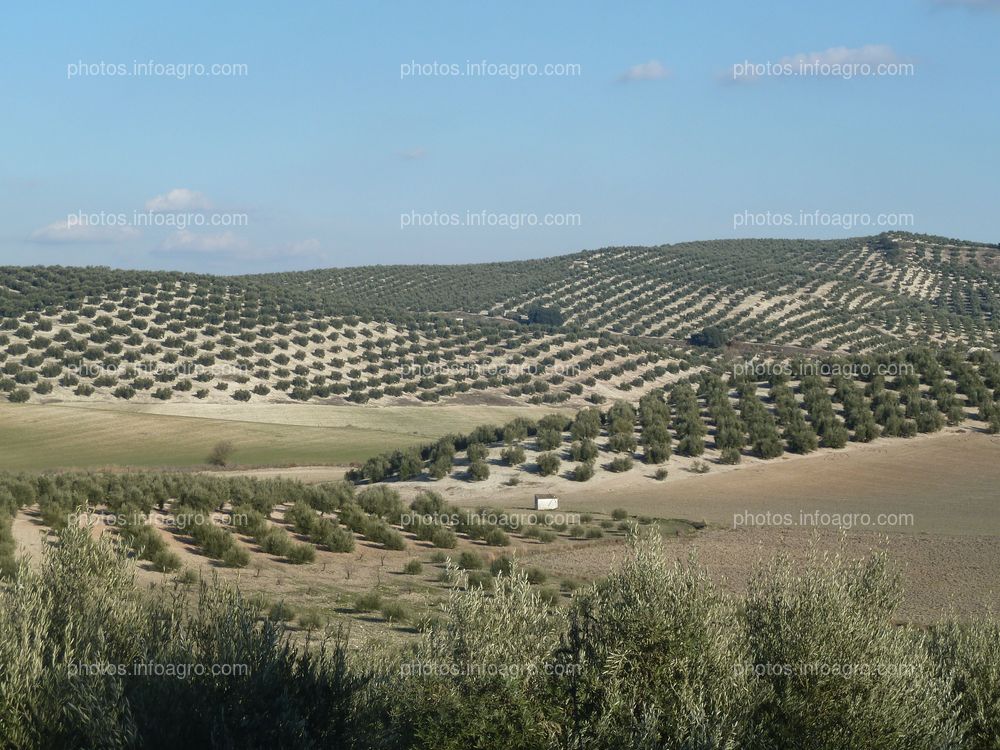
(546, 502)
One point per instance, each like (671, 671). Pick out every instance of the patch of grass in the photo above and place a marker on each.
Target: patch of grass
(99, 434)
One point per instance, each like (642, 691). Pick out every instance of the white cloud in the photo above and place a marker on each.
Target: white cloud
(413, 153)
(834, 62)
(178, 199)
(188, 241)
(872, 54)
(65, 233)
(226, 245)
(647, 71)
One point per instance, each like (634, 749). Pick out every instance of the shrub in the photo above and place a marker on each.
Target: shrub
(731, 456)
(299, 554)
(387, 536)
(275, 541)
(429, 503)
(620, 464)
(165, 561)
(19, 395)
(619, 514)
(496, 538)
(311, 620)
(502, 566)
(477, 452)
(413, 567)
(444, 538)
(585, 450)
(480, 579)
(548, 464)
(479, 471)
(659, 624)
(583, 472)
(549, 595)
(700, 467)
(536, 575)
(382, 501)
(281, 612)
(661, 474)
(969, 653)
(469, 561)
(512, 456)
(335, 538)
(838, 611)
(186, 577)
(395, 612)
(221, 453)
(123, 391)
(236, 557)
(368, 602)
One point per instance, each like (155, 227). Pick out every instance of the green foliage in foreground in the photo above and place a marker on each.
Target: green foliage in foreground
(653, 656)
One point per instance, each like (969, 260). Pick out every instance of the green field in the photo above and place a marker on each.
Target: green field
(51, 436)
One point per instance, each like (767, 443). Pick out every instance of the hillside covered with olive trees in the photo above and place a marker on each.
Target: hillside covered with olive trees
(595, 325)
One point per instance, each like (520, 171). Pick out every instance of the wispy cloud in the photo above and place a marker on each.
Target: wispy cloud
(188, 241)
(228, 246)
(413, 154)
(653, 70)
(178, 199)
(66, 233)
(835, 62)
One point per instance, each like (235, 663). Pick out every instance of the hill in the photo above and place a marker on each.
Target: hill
(619, 321)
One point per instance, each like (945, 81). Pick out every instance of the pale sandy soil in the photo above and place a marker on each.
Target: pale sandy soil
(947, 480)
(949, 557)
(942, 575)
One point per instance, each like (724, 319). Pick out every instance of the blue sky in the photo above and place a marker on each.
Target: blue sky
(330, 149)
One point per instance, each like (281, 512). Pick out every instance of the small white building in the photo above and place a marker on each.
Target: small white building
(546, 502)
